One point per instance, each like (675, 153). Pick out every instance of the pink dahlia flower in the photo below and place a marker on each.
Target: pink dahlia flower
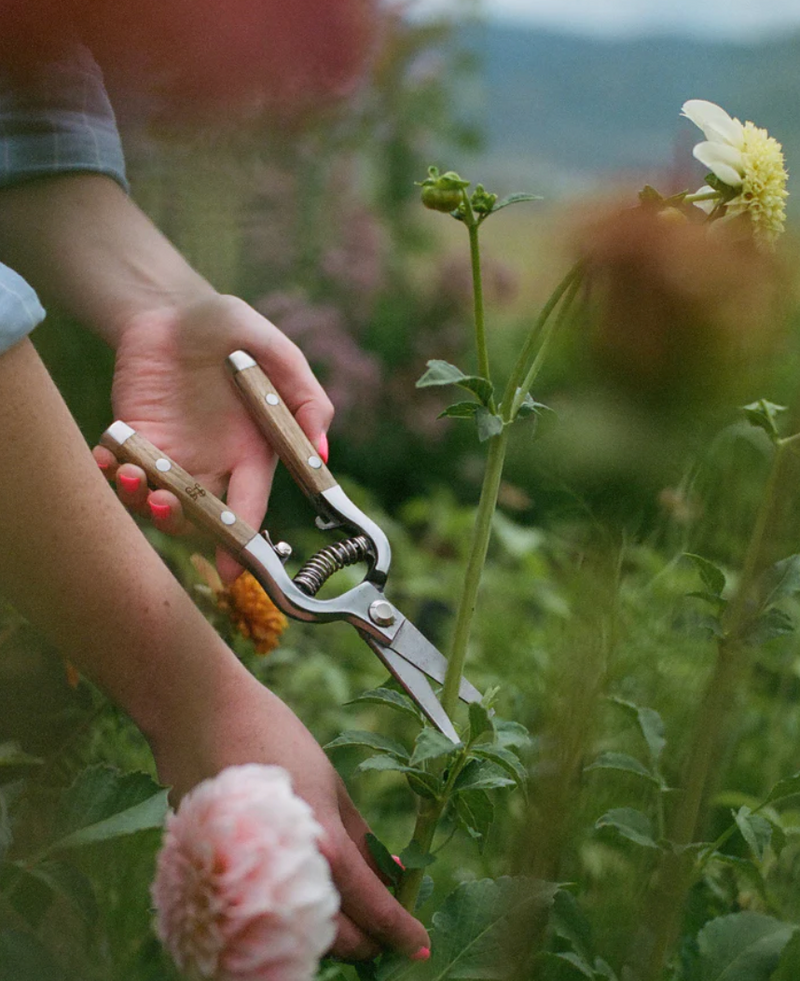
(242, 892)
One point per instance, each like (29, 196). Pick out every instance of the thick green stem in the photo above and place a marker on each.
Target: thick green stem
(472, 579)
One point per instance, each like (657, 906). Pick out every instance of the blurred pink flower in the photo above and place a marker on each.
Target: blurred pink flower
(242, 892)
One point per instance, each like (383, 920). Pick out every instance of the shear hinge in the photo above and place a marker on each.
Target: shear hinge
(329, 560)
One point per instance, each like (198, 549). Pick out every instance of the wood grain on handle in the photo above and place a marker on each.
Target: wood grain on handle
(199, 504)
(280, 427)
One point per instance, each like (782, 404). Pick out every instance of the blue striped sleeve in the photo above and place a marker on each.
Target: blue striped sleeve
(58, 119)
(20, 309)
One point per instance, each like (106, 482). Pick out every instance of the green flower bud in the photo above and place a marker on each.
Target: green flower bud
(442, 192)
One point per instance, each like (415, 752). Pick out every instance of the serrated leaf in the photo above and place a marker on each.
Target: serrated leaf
(516, 198)
(713, 577)
(475, 813)
(425, 892)
(103, 804)
(755, 830)
(506, 760)
(742, 947)
(382, 762)
(489, 424)
(788, 787)
(432, 745)
(631, 824)
(479, 721)
(482, 775)
(383, 858)
(480, 927)
(460, 410)
(621, 761)
(369, 740)
(770, 625)
(413, 857)
(650, 724)
(387, 696)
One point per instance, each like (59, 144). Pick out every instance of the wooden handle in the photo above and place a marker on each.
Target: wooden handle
(279, 426)
(205, 510)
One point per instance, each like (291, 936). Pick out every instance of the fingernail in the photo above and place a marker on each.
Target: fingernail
(160, 511)
(129, 484)
(397, 859)
(322, 447)
(103, 466)
(422, 954)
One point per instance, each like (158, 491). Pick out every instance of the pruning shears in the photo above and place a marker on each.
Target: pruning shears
(407, 654)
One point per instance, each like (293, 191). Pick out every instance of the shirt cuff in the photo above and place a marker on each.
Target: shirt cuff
(20, 309)
(58, 119)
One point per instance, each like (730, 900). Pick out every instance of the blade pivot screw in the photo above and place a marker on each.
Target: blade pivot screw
(381, 613)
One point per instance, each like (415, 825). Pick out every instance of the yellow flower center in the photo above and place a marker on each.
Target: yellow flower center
(763, 192)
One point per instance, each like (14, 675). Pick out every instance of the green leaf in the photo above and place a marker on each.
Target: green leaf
(746, 869)
(788, 787)
(460, 410)
(569, 922)
(774, 623)
(444, 373)
(475, 813)
(370, 740)
(756, 831)
(71, 884)
(423, 784)
(789, 965)
(713, 577)
(764, 415)
(24, 958)
(489, 423)
(425, 892)
(529, 407)
(431, 745)
(574, 960)
(413, 857)
(651, 725)
(387, 696)
(781, 579)
(479, 721)
(103, 804)
(480, 927)
(383, 859)
(742, 947)
(506, 760)
(621, 761)
(516, 198)
(717, 602)
(631, 824)
(510, 733)
(482, 775)
(383, 762)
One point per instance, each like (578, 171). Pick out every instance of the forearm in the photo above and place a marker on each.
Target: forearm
(82, 243)
(74, 562)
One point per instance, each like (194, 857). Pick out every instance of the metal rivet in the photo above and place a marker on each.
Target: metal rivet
(272, 399)
(283, 550)
(382, 613)
(163, 464)
(315, 462)
(228, 518)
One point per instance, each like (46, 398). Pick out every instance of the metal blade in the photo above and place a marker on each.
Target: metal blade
(416, 684)
(410, 644)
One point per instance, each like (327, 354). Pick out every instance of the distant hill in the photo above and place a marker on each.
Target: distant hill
(566, 109)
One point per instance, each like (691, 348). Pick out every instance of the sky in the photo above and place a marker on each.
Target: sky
(745, 19)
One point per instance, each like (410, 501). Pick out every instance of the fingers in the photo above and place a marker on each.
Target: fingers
(248, 491)
(369, 906)
(290, 373)
(163, 508)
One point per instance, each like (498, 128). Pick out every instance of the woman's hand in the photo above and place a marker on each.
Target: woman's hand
(170, 384)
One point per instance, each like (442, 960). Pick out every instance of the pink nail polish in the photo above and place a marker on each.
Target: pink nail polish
(322, 447)
(103, 466)
(397, 859)
(129, 484)
(159, 511)
(422, 954)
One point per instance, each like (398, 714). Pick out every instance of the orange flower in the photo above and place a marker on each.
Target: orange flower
(251, 612)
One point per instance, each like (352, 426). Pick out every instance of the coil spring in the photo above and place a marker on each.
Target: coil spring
(321, 566)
